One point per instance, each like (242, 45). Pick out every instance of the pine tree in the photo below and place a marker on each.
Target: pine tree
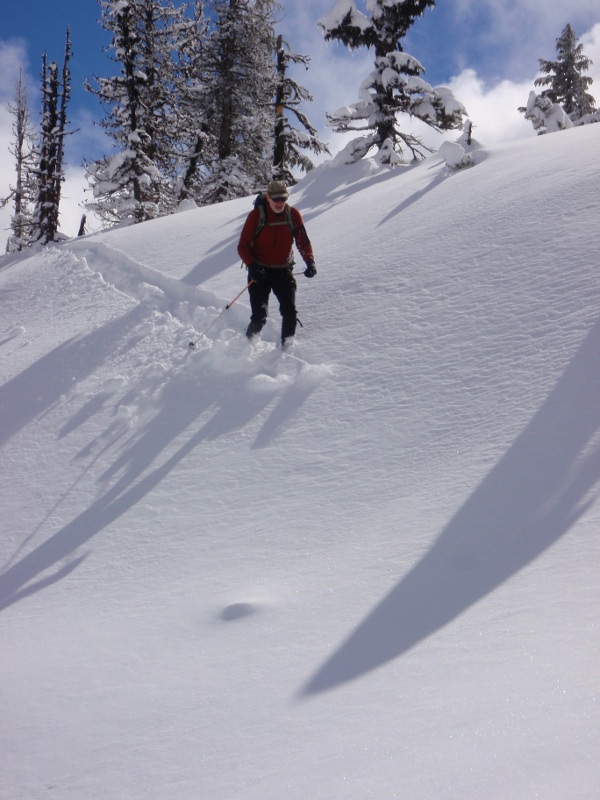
(23, 193)
(136, 184)
(395, 86)
(290, 141)
(567, 85)
(49, 174)
(194, 143)
(235, 101)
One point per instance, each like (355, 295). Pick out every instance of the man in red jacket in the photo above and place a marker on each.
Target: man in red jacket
(266, 248)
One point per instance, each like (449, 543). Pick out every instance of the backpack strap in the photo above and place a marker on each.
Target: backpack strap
(259, 203)
(288, 219)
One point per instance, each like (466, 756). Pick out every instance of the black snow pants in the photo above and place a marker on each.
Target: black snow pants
(282, 283)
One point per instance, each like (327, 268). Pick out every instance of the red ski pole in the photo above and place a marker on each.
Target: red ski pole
(237, 297)
(227, 307)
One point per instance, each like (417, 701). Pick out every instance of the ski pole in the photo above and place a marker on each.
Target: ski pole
(227, 307)
(237, 297)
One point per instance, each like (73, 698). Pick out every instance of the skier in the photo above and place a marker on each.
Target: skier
(266, 248)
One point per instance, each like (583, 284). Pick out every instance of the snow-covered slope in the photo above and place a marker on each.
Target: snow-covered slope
(365, 571)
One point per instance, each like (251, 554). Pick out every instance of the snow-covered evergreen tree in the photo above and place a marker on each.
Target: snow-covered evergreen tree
(235, 100)
(135, 183)
(48, 173)
(545, 115)
(195, 146)
(394, 87)
(22, 194)
(290, 141)
(45, 217)
(567, 85)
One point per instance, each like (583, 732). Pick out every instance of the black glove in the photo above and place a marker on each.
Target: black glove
(310, 270)
(256, 272)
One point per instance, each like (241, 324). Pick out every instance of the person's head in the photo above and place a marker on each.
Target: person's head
(277, 195)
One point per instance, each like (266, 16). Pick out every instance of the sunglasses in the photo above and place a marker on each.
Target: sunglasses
(278, 199)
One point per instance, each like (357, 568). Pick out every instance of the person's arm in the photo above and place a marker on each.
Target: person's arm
(301, 237)
(246, 238)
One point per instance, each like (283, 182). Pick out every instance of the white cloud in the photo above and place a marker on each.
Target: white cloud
(493, 109)
(13, 58)
(591, 48)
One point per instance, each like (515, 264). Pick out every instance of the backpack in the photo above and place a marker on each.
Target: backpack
(260, 203)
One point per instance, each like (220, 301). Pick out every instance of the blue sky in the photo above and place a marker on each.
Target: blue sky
(486, 50)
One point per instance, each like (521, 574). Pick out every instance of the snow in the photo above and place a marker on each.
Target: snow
(454, 154)
(339, 12)
(364, 570)
(546, 116)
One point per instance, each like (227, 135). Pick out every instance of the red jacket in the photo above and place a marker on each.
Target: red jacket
(273, 246)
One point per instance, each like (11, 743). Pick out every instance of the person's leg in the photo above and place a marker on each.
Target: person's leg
(284, 289)
(259, 305)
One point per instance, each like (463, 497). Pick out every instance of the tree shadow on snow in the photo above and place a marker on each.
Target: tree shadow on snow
(229, 404)
(326, 186)
(439, 178)
(216, 261)
(33, 392)
(541, 486)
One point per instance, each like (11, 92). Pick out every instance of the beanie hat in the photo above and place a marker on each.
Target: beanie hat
(277, 189)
